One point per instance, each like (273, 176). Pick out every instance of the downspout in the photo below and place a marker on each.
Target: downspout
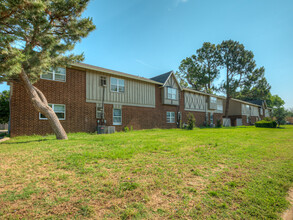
(10, 95)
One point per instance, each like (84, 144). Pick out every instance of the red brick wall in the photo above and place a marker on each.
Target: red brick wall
(81, 116)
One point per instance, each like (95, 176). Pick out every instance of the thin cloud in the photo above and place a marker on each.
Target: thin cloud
(146, 64)
(176, 3)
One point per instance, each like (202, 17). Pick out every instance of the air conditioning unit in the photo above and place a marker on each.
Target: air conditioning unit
(110, 129)
(103, 129)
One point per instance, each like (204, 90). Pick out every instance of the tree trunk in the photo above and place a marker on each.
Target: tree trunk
(40, 103)
(227, 95)
(227, 107)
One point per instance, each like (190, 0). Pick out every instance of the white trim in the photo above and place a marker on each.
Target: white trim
(63, 119)
(172, 73)
(115, 123)
(117, 85)
(113, 72)
(171, 93)
(54, 76)
(121, 103)
(170, 118)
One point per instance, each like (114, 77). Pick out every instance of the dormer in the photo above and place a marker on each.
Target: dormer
(170, 89)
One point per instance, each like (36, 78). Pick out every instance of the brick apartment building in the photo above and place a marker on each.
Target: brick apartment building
(77, 94)
(82, 95)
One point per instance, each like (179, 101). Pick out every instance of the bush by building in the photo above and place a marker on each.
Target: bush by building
(266, 124)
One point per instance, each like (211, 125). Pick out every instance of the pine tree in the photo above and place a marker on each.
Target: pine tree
(36, 35)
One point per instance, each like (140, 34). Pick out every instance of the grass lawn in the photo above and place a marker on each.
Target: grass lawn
(228, 173)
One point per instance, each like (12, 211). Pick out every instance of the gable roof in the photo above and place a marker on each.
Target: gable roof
(113, 72)
(162, 78)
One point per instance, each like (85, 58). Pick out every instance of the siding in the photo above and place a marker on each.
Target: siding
(137, 93)
(254, 111)
(194, 102)
(171, 82)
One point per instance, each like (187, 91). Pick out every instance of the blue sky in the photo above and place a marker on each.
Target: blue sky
(151, 37)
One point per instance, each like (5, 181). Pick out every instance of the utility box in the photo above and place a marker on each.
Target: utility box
(103, 129)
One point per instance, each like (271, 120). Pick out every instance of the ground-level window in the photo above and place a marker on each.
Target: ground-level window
(56, 74)
(117, 116)
(170, 117)
(59, 109)
(212, 118)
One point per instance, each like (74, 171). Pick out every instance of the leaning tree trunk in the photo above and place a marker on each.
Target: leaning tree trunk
(41, 105)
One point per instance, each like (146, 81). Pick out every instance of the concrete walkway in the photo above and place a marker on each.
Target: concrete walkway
(4, 139)
(288, 215)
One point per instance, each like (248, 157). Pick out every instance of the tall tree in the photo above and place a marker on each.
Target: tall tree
(256, 87)
(36, 35)
(275, 101)
(280, 114)
(4, 107)
(200, 70)
(290, 112)
(239, 65)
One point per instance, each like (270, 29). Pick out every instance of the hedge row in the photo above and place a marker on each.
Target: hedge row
(266, 124)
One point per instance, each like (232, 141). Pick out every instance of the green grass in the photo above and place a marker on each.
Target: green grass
(228, 173)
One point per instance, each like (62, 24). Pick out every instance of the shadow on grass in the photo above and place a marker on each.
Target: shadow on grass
(26, 142)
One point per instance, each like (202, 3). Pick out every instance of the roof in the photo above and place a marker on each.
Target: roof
(203, 93)
(162, 78)
(113, 72)
(256, 102)
(245, 102)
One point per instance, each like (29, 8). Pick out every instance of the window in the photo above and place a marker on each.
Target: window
(117, 117)
(170, 117)
(172, 93)
(212, 118)
(220, 107)
(58, 109)
(213, 100)
(103, 81)
(247, 108)
(57, 74)
(117, 85)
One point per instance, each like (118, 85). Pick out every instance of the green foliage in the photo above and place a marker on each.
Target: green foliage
(4, 107)
(125, 129)
(275, 101)
(190, 121)
(238, 63)
(128, 186)
(280, 114)
(200, 70)
(37, 35)
(219, 123)
(255, 87)
(131, 128)
(199, 170)
(290, 112)
(266, 124)
(267, 119)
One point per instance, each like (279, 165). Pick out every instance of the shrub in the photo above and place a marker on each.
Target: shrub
(190, 121)
(267, 119)
(131, 128)
(125, 129)
(266, 124)
(219, 123)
